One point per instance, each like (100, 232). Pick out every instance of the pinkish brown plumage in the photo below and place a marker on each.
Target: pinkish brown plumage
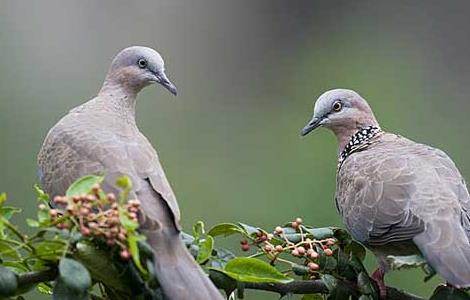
(396, 196)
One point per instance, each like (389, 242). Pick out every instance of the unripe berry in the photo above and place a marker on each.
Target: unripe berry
(42, 206)
(295, 252)
(268, 248)
(279, 230)
(85, 231)
(328, 252)
(270, 236)
(313, 266)
(294, 225)
(125, 254)
(111, 197)
(299, 221)
(279, 248)
(312, 253)
(301, 250)
(330, 242)
(53, 212)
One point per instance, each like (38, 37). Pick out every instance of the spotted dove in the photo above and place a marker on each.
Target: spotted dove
(396, 196)
(101, 137)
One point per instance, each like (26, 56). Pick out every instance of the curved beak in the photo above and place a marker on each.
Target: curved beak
(314, 123)
(165, 82)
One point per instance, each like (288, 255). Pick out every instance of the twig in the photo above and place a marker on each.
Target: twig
(318, 287)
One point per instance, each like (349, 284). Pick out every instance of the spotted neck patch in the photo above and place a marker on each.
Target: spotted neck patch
(358, 140)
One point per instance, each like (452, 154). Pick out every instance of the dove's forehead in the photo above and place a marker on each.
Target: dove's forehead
(130, 55)
(327, 98)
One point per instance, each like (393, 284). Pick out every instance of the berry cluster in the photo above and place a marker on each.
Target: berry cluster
(307, 248)
(96, 216)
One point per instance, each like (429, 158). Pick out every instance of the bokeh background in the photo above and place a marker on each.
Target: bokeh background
(248, 73)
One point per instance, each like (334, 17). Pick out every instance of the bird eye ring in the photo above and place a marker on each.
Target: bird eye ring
(142, 63)
(337, 106)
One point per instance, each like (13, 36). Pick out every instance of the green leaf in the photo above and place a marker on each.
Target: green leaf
(51, 249)
(330, 281)
(364, 284)
(63, 292)
(327, 262)
(8, 282)
(133, 240)
(356, 249)
(74, 275)
(312, 297)
(7, 250)
(198, 230)
(42, 197)
(32, 223)
(3, 198)
(246, 269)
(8, 211)
(124, 182)
(223, 281)
(249, 230)
(126, 222)
(225, 229)
(405, 262)
(44, 289)
(205, 249)
(101, 265)
(83, 185)
(449, 293)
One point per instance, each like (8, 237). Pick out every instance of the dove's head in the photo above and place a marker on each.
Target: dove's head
(343, 111)
(136, 67)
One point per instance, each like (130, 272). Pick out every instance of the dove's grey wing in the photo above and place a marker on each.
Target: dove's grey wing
(399, 191)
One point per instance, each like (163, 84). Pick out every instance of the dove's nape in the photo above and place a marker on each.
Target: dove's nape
(101, 137)
(396, 196)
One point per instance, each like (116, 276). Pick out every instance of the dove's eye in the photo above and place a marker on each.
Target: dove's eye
(337, 106)
(142, 63)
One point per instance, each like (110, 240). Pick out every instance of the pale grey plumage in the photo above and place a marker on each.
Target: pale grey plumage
(396, 196)
(101, 137)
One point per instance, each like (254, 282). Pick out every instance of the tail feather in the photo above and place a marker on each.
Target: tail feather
(179, 275)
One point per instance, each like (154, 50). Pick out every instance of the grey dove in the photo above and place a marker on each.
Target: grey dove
(396, 196)
(101, 137)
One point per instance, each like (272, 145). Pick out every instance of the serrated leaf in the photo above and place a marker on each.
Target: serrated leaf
(83, 185)
(205, 249)
(74, 275)
(51, 249)
(225, 229)
(246, 269)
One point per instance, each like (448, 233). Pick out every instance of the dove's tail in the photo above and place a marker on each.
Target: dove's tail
(178, 273)
(447, 249)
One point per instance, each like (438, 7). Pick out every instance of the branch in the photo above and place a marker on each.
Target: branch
(37, 277)
(318, 287)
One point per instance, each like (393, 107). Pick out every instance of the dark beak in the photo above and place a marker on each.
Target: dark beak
(164, 81)
(314, 123)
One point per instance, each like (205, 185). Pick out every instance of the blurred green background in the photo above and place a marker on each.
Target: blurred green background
(247, 74)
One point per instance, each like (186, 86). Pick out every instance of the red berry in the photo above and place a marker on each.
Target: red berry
(85, 231)
(245, 247)
(125, 254)
(243, 242)
(328, 252)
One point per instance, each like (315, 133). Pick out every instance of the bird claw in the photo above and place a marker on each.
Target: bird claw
(378, 277)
